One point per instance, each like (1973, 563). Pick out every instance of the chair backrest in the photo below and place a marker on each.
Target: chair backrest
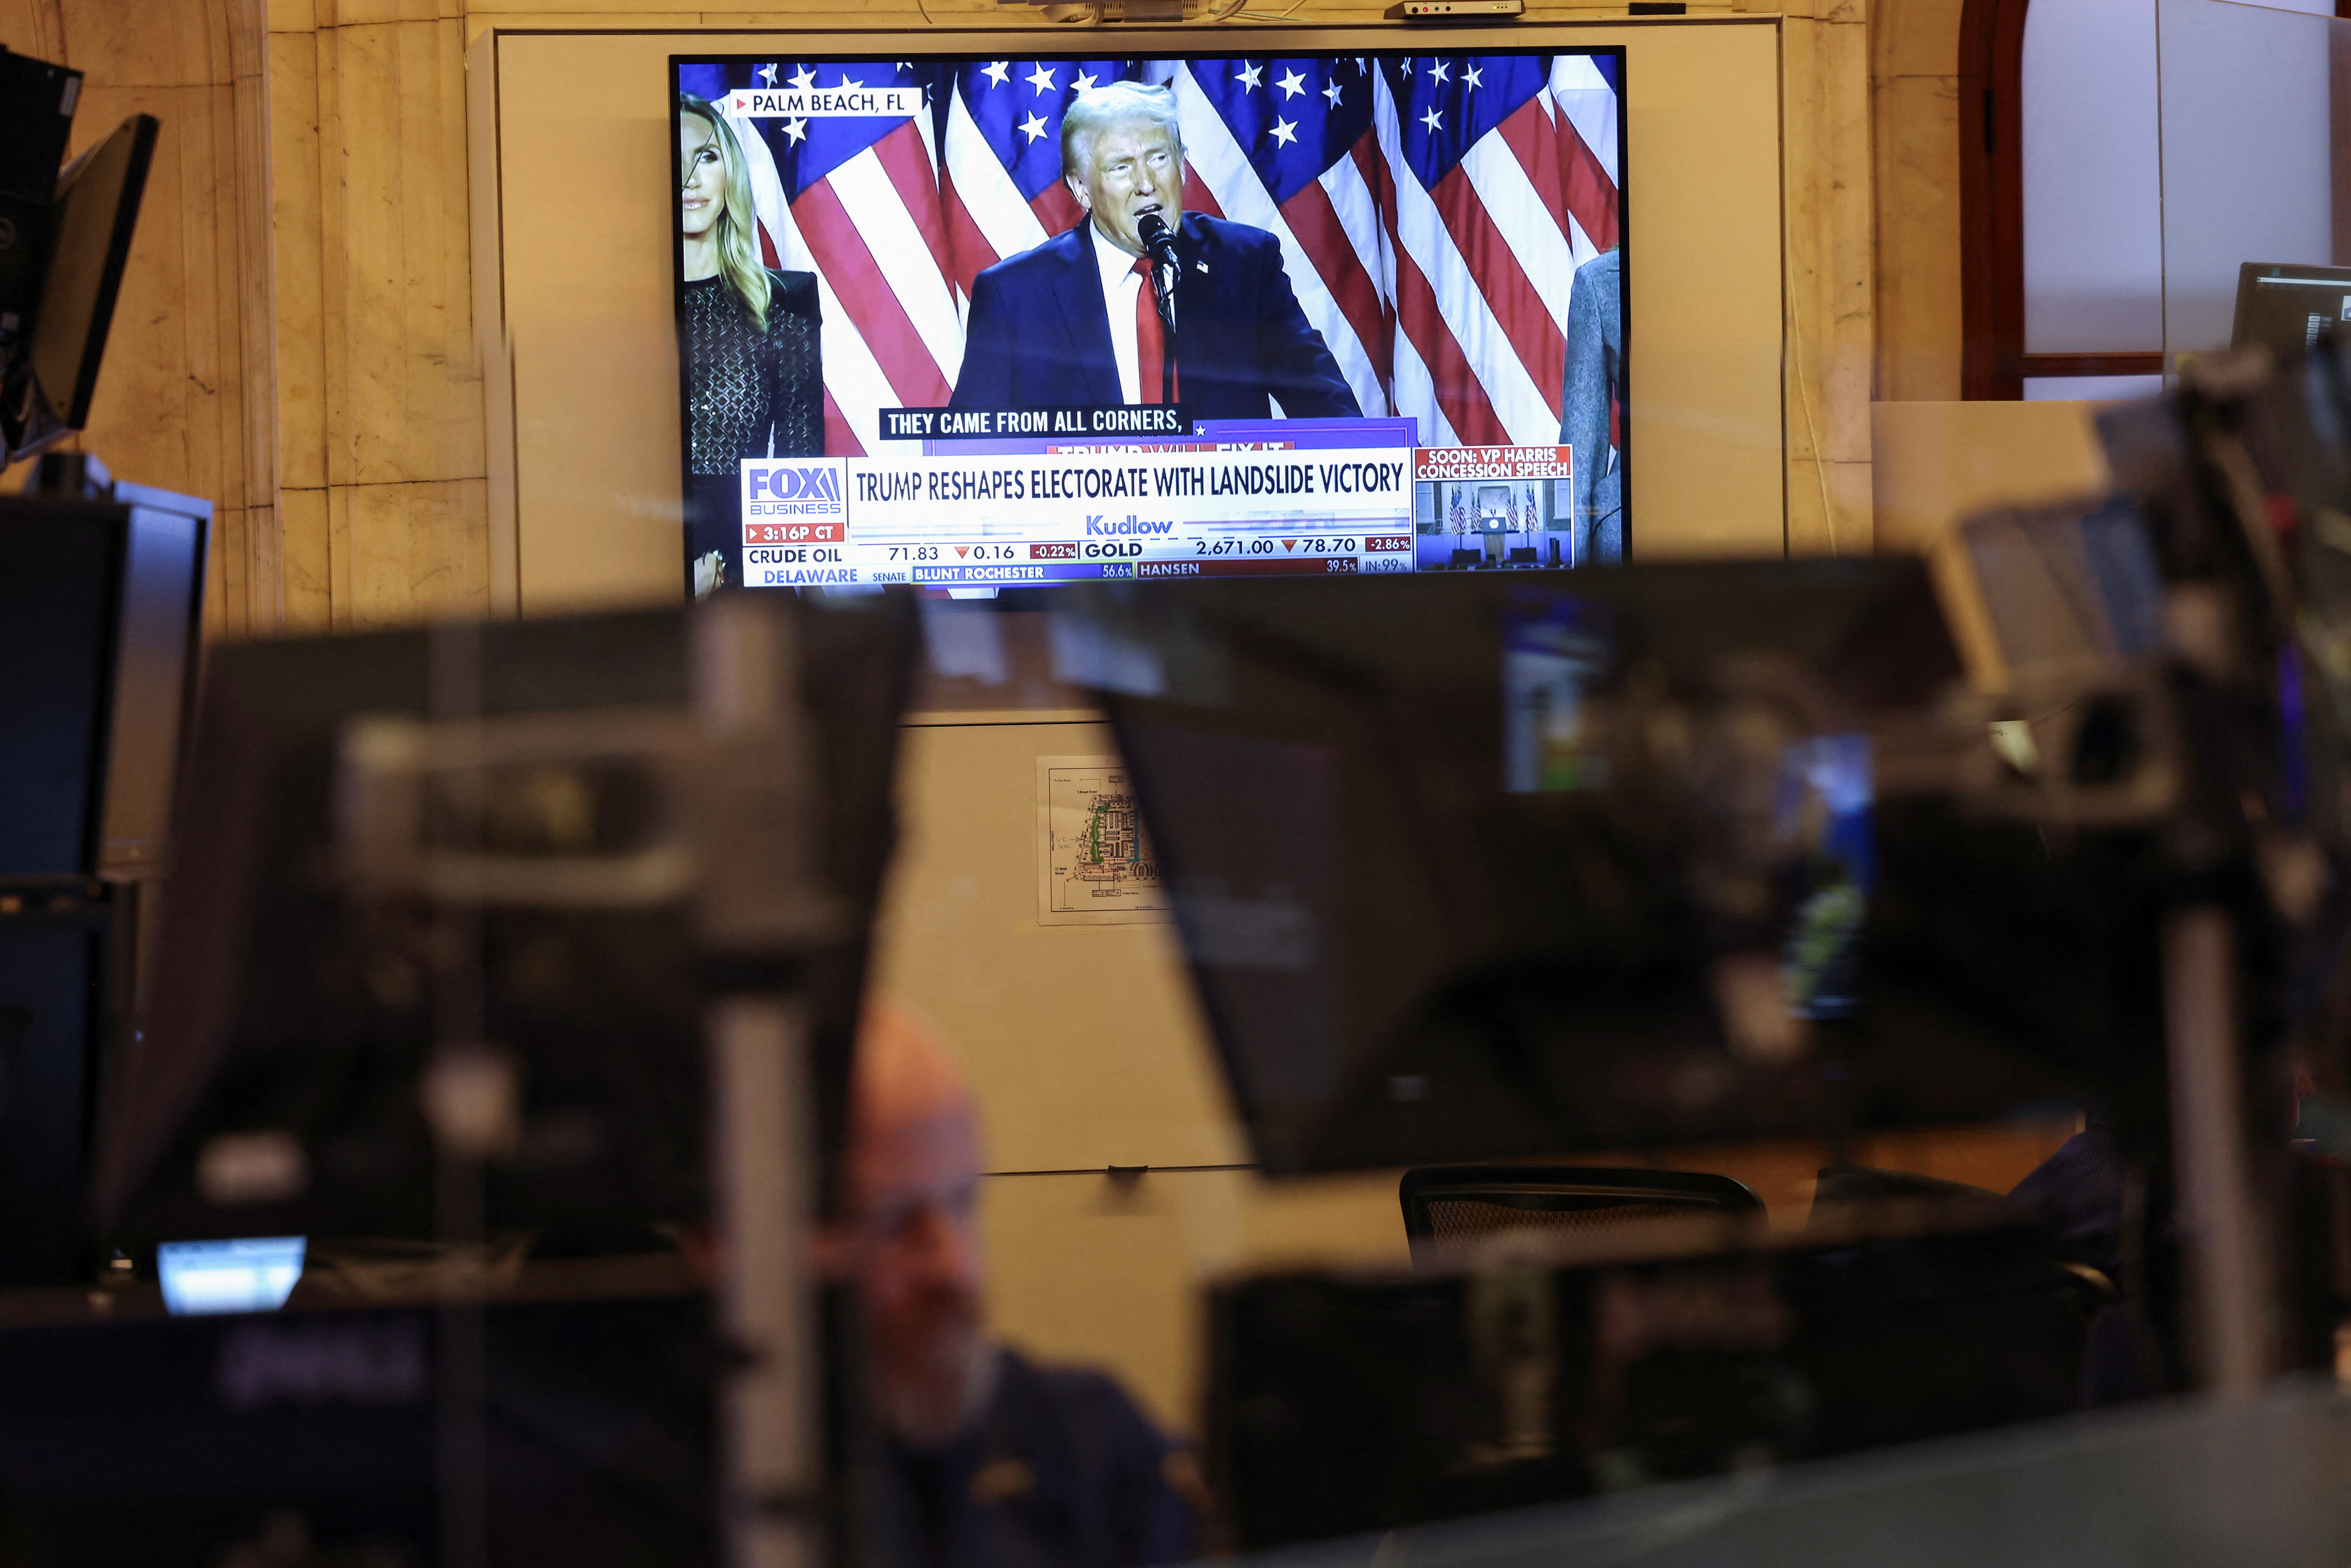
(1467, 557)
(1446, 1207)
(1522, 553)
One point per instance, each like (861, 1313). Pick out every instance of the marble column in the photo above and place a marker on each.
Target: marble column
(380, 418)
(1914, 94)
(1830, 282)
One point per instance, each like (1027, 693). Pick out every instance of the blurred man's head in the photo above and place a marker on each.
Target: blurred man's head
(910, 1234)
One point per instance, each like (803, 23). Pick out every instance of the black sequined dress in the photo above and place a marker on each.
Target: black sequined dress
(749, 394)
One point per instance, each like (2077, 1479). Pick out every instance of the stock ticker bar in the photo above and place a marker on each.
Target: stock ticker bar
(1069, 513)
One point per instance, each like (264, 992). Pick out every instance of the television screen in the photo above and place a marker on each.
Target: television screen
(975, 323)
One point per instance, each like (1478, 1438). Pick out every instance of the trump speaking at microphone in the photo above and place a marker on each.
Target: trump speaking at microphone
(1072, 320)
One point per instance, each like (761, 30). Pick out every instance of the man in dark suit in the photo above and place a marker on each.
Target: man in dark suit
(1074, 320)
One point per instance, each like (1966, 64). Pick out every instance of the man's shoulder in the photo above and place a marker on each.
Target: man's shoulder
(1223, 235)
(1035, 264)
(1086, 1404)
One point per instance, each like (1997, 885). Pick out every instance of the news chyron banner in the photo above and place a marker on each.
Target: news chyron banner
(1056, 514)
(1001, 520)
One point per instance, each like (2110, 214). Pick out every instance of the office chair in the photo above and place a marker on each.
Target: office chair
(1522, 556)
(1466, 560)
(1446, 1207)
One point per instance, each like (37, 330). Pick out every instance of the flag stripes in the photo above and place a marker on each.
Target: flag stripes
(1431, 212)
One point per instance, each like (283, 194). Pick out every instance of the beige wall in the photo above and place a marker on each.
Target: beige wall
(1913, 84)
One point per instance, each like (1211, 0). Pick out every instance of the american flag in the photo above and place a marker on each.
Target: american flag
(1432, 210)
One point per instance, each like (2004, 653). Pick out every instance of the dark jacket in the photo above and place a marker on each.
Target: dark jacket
(1038, 336)
(1061, 1472)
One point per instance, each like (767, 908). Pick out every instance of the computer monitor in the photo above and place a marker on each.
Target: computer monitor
(2284, 307)
(96, 213)
(1428, 924)
(274, 1091)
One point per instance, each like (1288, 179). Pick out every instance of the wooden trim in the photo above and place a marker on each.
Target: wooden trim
(1991, 199)
(2134, 364)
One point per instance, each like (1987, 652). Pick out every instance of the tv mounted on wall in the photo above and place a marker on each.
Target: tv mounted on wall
(969, 323)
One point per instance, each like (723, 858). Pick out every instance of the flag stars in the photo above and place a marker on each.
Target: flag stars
(1033, 128)
(803, 82)
(1471, 78)
(995, 71)
(797, 129)
(767, 74)
(1291, 85)
(846, 82)
(1251, 77)
(1040, 79)
(1439, 71)
(1285, 133)
(1085, 82)
(1433, 119)
(1331, 92)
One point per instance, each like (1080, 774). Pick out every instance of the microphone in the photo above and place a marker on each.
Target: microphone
(1160, 241)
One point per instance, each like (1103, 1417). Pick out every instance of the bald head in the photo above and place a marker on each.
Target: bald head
(904, 1073)
(912, 1241)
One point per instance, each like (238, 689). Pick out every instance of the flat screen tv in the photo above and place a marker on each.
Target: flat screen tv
(967, 324)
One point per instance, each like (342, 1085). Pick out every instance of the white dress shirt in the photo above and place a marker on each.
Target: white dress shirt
(1120, 284)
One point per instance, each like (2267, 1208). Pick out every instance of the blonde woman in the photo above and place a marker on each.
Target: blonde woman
(754, 381)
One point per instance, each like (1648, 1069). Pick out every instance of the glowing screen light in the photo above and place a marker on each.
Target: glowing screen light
(250, 1274)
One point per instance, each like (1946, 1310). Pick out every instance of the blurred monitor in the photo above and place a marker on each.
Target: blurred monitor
(2068, 588)
(101, 605)
(250, 1274)
(275, 1089)
(1428, 924)
(1344, 1404)
(2286, 308)
(96, 214)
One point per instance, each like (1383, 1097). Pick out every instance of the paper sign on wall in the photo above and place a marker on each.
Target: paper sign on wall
(1095, 865)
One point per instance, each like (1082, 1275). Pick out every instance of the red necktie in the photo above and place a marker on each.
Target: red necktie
(1150, 337)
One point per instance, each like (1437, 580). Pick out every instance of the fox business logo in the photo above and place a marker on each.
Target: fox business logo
(801, 488)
